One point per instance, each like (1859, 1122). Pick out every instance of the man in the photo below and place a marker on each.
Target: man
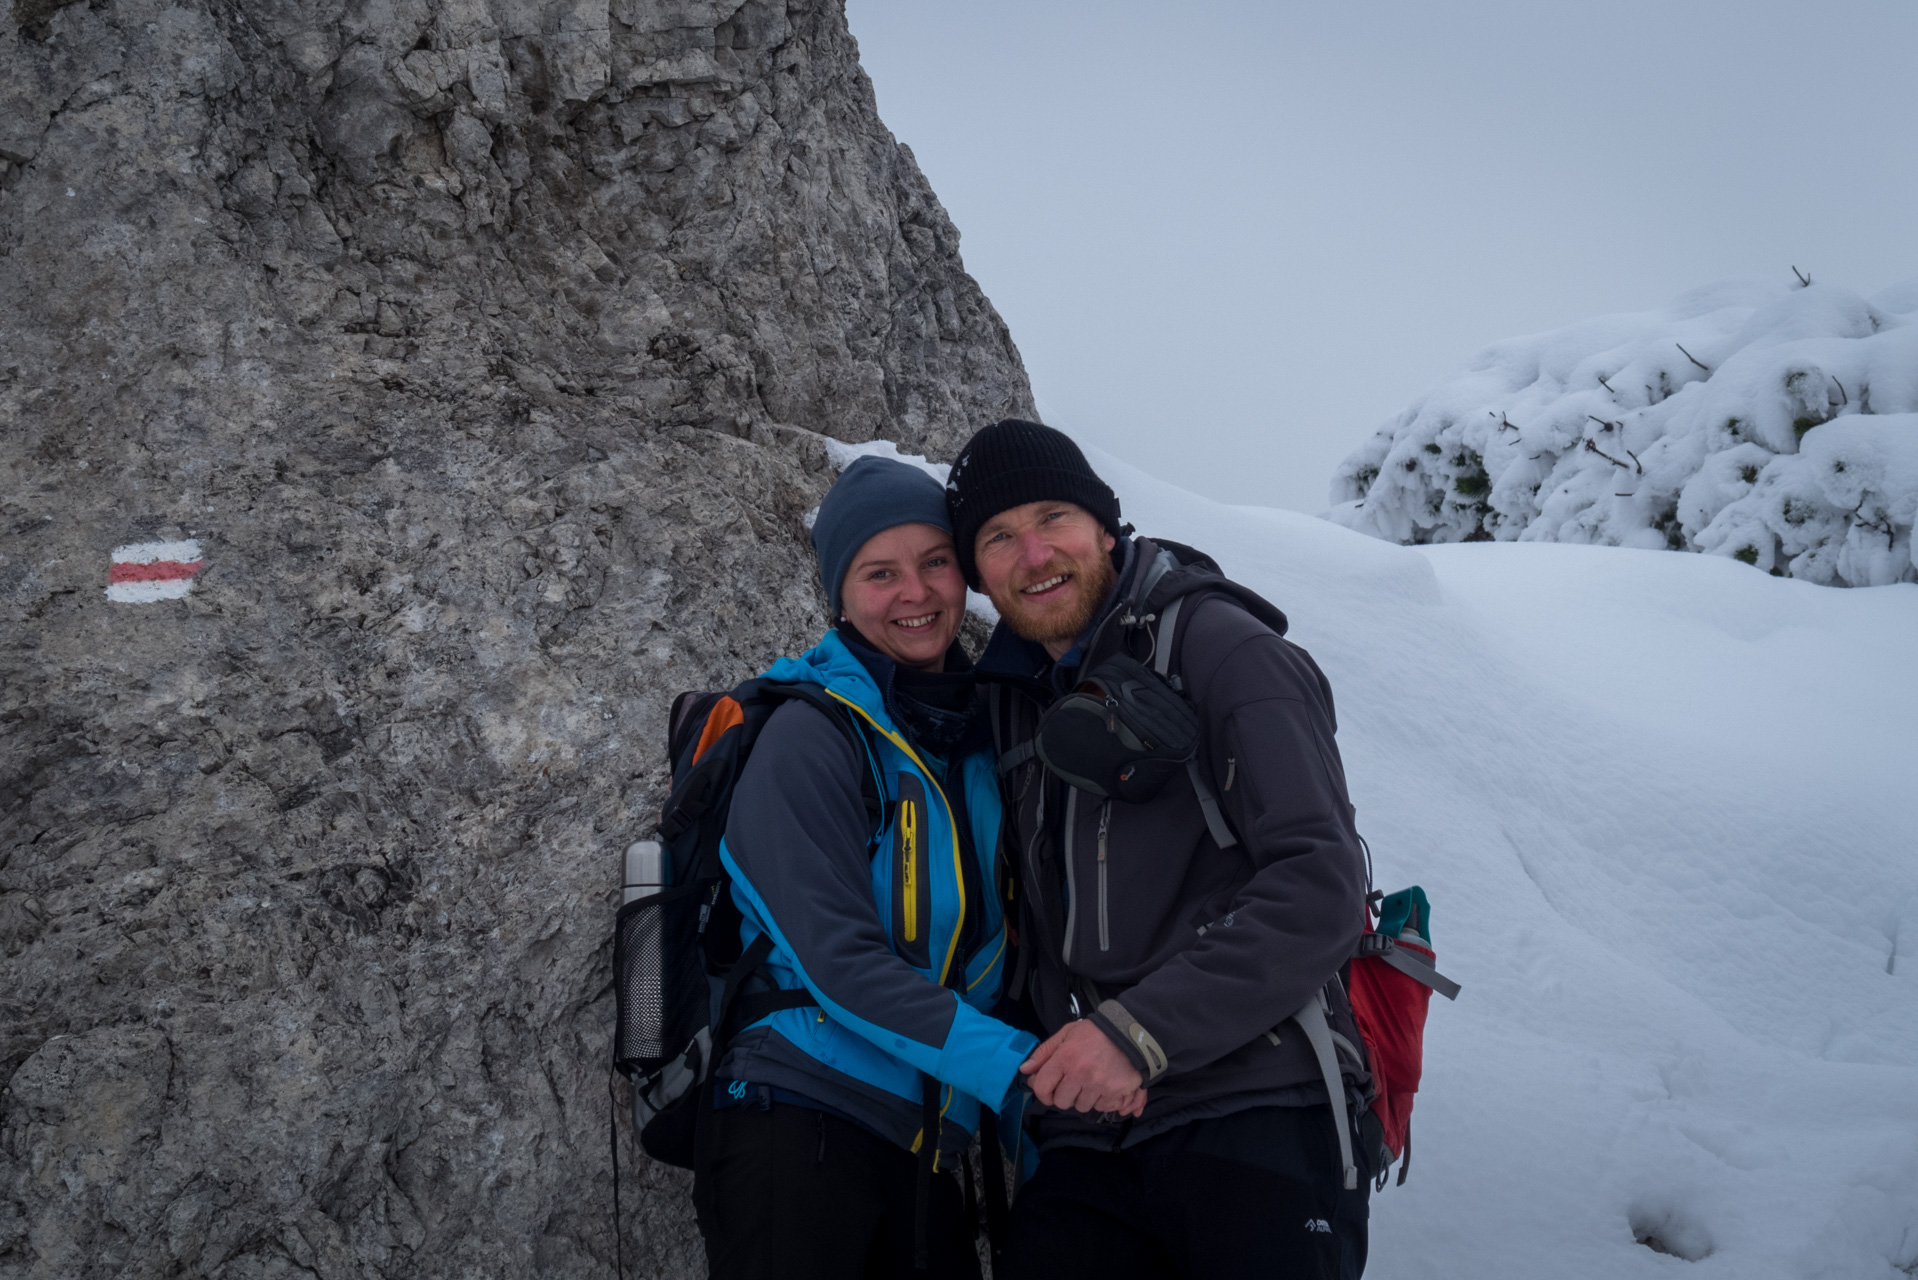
(1166, 943)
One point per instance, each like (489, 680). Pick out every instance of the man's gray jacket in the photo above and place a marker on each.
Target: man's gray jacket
(1189, 955)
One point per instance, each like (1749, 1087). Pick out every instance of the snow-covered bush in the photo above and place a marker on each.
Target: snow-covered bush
(1777, 425)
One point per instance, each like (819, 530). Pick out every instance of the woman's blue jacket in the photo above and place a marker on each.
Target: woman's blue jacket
(898, 933)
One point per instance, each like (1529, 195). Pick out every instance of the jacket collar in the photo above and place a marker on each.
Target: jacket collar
(845, 664)
(833, 665)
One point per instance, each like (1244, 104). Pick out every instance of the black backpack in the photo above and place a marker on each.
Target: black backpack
(678, 967)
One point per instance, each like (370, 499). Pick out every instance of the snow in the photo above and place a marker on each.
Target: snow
(1770, 423)
(843, 455)
(1666, 808)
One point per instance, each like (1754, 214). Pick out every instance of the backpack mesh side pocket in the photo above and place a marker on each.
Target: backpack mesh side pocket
(659, 981)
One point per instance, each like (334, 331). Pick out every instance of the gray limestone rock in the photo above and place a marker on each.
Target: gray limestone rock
(486, 350)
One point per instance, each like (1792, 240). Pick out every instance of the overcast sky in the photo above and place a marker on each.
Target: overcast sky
(1233, 237)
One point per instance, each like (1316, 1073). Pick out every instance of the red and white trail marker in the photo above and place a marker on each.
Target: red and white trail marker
(143, 572)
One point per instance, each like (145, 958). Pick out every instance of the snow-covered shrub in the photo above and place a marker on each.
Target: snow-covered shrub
(1777, 425)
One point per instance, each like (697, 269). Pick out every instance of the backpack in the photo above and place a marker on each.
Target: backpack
(678, 968)
(1390, 982)
(1389, 978)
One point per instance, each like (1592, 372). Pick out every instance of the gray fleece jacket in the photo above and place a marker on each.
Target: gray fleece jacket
(1191, 957)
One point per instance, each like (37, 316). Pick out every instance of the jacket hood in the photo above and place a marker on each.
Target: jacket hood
(833, 665)
(1187, 572)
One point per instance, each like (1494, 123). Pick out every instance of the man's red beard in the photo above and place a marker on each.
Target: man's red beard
(1091, 581)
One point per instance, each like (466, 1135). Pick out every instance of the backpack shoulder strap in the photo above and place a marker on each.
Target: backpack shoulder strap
(1165, 643)
(1320, 1036)
(998, 698)
(1164, 638)
(1004, 694)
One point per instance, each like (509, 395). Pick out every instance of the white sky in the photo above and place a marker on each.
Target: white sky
(1233, 237)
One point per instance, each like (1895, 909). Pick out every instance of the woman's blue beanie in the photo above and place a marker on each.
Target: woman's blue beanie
(871, 496)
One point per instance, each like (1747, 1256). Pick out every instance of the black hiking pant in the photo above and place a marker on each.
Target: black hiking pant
(1258, 1193)
(790, 1192)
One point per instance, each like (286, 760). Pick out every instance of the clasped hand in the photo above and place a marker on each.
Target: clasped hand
(1080, 1069)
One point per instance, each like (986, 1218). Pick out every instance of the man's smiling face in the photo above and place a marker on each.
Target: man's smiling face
(1047, 567)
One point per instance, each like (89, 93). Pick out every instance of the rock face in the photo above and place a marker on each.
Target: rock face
(484, 350)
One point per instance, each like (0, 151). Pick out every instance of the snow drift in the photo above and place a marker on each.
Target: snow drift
(1775, 425)
(1664, 809)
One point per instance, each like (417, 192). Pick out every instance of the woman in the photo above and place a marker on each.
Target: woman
(816, 1159)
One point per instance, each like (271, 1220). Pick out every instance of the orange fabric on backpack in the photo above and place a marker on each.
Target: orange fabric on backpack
(725, 714)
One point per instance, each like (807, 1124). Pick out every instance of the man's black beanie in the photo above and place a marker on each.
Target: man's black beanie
(1011, 463)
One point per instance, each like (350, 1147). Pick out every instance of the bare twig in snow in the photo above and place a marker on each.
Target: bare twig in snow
(1694, 359)
(1591, 446)
(1605, 384)
(1804, 281)
(1843, 399)
(1880, 523)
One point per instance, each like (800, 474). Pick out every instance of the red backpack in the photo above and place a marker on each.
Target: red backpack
(1391, 982)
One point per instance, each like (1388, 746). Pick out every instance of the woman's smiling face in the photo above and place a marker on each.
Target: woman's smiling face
(905, 596)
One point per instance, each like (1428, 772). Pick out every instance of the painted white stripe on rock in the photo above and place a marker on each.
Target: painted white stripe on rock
(148, 592)
(151, 552)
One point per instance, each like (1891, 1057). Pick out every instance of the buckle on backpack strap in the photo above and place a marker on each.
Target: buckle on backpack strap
(1373, 943)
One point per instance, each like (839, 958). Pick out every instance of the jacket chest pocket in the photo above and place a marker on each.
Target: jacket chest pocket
(911, 873)
(1131, 866)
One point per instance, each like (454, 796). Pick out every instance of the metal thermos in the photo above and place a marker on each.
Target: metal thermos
(645, 965)
(645, 869)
